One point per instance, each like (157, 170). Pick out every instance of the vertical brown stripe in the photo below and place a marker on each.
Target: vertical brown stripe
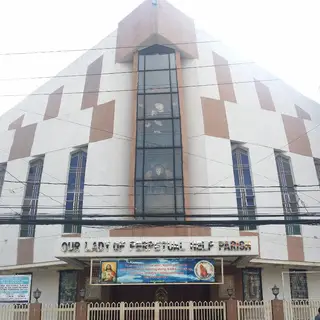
(25, 251)
(16, 123)
(184, 135)
(177, 28)
(295, 248)
(133, 135)
(53, 104)
(302, 114)
(22, 142)
(224, 78)
(238, 283)
(214, 118)
(264, 96)
(92, 84)
(102, 122)
(297, 136)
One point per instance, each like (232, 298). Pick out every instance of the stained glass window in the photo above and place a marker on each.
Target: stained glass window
(68, 286)
(252, 284)
(244, 189)
(317, 166)
(75, 189)
(158, 172)
(3, 167)
(298, 284)
(288, 193)
(30, 202)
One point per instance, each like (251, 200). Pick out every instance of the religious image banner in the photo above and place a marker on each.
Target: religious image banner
(151, 271)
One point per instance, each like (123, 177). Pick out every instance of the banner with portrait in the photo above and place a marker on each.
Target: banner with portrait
(162, 270)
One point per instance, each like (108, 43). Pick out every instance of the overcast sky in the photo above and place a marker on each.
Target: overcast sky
(281, 35)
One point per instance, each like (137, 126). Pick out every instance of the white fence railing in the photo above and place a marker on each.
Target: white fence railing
(14, 311)
(246, 310)
(158, 311)
(300, 309)
(254, 310)
(58, 312)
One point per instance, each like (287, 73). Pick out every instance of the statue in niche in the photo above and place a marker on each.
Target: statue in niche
(253, 292)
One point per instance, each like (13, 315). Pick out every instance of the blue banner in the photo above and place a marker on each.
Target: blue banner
(149, 271)
(15, 288)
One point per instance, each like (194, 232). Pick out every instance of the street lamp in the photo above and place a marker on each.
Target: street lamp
(37, 294)
(275, 292)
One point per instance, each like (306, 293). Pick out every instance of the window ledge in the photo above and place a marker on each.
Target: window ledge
(71, 235)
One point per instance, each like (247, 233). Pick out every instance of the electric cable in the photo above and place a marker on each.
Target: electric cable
(185, 186)
(134, 222)
(122, 72)
(102, 48)
(136, 90)
(164, 215)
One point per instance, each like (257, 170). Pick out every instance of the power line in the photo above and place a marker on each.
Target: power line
(207, 223)
(177, 216)
(132, 90)
(101, 49)
(25, 183)
(185, 186)
(120, 72)
(272, 154)
(51, 207)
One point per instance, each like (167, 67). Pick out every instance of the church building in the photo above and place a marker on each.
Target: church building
(181, 144)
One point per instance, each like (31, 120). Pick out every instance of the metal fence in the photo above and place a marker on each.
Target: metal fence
(58, 312)
(254, 310)
(300, 309)
(14, 311)
(158, 311)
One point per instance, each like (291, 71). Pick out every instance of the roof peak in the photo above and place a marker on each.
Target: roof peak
(156, 22)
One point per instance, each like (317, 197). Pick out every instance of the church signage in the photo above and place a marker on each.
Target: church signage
(157, 270)
(140, 247)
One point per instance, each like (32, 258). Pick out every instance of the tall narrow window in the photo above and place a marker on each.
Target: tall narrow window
(3, 167)
(158, 172)
(243, 183)
(30, 202)
(68, 286)
(74, 201)
(298, 284)
(252, 284)
(317, 166)
(288, 193)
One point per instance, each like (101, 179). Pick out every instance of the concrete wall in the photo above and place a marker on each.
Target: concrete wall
(275, 275)
(48, 283)
(209, 156)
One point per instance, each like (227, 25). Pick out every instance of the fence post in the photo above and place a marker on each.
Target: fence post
(231, 307)
(277, 309)
(191, 310)
(156, 311)
(122, 311)
(35, 311)
(81, 310)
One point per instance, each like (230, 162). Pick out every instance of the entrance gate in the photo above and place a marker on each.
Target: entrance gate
(158, 311)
